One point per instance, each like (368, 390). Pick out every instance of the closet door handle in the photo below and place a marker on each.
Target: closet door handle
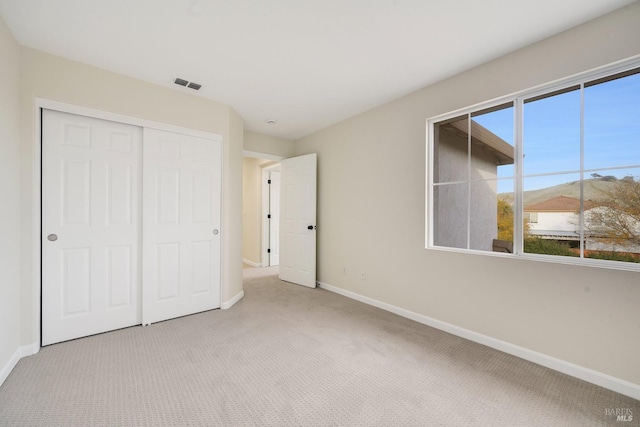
(52, 237)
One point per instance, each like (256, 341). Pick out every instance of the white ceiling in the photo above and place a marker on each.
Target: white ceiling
(306, 63)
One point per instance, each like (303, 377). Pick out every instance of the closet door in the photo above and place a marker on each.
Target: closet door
(181, 225)
(90, 226)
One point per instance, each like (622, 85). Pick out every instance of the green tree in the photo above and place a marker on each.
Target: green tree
(615, 216)
(505, 220)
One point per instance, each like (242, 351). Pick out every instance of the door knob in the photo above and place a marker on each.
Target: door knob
(215, 231)
(52, 237)
(311, 227)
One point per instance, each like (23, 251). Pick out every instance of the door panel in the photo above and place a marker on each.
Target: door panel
(119, 186)
(76, 280)
(90, 198)
(168, 190)
(120, 276)
(168, 268)
(76, 194)
(181, 225)
(297, 214)
(202, 271)
(202, 197)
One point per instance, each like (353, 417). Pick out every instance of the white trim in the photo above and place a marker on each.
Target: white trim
(265, 156)
(251, 263)
(265, 208)
(598, 378)
(36, 224)
(555, 259)
(429, 151)
(43, 103)
(8, 367)
(120, 118)
(228, 304)
(30, 349)
(25, 350)
(264, 211)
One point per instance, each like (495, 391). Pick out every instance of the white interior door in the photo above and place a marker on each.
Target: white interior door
(181, 225)
(90, 226)
(298, 220)
(274, 220)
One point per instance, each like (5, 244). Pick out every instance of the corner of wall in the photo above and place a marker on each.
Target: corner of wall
(232, 208)
(10, 214)
(266, 144)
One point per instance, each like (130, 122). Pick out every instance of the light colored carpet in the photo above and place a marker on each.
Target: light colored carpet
(288, 355)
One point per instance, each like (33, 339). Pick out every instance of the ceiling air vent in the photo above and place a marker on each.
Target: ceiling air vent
(187, 83)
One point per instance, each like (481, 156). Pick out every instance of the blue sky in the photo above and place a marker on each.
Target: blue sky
(552, 133)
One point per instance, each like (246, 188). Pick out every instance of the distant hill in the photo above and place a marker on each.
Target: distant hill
(593, 190)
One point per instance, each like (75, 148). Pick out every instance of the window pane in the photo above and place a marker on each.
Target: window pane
(451, 215)
(612, 215)
(492, 149)
(491, 218)
(451, 150)
(612, 123)
(552, 215)
(552, 134)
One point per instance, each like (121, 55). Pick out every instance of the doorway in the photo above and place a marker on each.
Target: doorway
(279, 215)
(256, 203)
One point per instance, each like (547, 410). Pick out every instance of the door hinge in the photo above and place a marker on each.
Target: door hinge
(269, 216)
(268, 251)
(268, 181)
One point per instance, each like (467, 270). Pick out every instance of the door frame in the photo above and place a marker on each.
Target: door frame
(266, 229)
(36, 219)
(263, 156)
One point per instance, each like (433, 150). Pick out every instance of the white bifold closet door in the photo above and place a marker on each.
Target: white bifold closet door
(90, 226)
(130, 225)
(181, 225)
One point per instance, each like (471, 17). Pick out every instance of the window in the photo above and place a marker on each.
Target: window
(555, 173)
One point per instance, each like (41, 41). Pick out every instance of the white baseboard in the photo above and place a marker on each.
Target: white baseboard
(603, 380)
(25, 350)
(251, 263)
(228, 304)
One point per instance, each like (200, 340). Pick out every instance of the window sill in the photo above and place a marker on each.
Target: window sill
(583, 262)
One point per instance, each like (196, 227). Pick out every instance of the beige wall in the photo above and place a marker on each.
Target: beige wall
(266, 144)
(232, 217)
(58, 79)
(10, 196)
(371, 207)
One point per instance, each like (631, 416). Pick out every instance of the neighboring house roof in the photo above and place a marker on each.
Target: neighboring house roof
(558, 204)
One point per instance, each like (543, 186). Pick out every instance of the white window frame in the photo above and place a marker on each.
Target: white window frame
(518, 99)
